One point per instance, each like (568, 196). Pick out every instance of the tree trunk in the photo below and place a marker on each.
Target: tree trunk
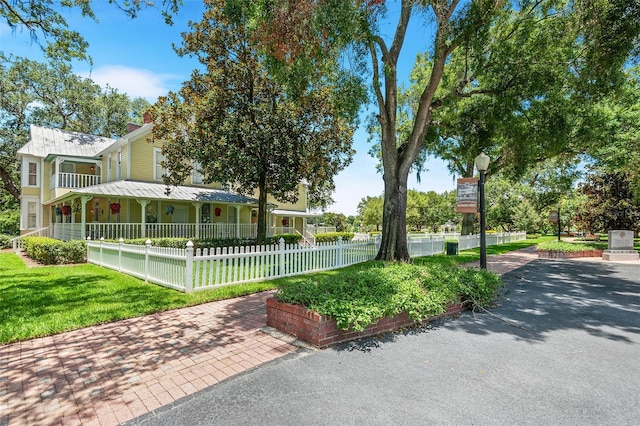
(262, 211)
(8, 184)
(468, 222)
(394, 220)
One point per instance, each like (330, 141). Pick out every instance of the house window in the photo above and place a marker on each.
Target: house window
(196, 176)
(33, 174)
(118, 165)
(158, 170)
(31, 215)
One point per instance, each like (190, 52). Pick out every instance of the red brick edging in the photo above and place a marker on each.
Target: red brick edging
(322, 331)
(555, 254)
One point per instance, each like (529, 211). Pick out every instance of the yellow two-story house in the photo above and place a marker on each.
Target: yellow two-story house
(76, 186)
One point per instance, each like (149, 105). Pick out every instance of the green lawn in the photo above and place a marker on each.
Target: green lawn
(42, 301)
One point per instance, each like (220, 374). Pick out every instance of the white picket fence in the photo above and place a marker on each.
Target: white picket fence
(192, 270)
(467, 242)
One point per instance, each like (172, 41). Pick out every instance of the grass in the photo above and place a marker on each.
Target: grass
(37, 302)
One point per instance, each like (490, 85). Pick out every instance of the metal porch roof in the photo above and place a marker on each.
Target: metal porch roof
(156, 191)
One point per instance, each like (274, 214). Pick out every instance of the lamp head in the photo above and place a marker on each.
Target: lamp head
(482, 162)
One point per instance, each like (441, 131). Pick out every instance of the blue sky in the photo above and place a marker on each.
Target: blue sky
(135, 56)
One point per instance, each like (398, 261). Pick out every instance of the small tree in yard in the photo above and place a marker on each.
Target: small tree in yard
(525, 216)
(243, 128)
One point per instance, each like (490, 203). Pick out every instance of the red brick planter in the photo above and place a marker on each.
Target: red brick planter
(321, 331)
(554, 254)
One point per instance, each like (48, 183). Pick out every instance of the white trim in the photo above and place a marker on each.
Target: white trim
(119, 164)
(24, 212)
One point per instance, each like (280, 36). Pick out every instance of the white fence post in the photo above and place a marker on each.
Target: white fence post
(339, 260)
(146, 260)
(101, 242)
(281, 257)
(188, 273)
(120, 242)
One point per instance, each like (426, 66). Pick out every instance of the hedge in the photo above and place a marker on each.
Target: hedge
(333, 236)
(288, 238)
(55, 252)
(5, 241)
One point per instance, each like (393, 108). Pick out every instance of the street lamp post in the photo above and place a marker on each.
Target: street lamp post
(482, 164)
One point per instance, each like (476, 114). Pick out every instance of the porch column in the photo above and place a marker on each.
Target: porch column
(57, 175)
(143, 203)
(83, 215)
(198, 206)
(237, 220)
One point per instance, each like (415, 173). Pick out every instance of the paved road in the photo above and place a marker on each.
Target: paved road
(562, 346)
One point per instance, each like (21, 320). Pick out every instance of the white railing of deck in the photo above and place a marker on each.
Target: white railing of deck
(73, 180)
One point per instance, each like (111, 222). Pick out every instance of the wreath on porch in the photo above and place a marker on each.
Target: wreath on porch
(58, 211)
(66, 210)
(217, 211)
(115, 208)
(169, 210)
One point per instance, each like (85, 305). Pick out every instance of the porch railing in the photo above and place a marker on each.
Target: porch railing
(114, 231)
(73, 180)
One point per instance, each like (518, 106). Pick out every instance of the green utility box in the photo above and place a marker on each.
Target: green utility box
(452, 247)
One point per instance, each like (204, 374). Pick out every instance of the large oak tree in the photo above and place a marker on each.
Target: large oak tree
(242, 127)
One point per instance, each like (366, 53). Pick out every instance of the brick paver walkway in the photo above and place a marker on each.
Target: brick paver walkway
(503, 263)
(108, 374)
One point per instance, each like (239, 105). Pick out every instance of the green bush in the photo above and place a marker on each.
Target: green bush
(5, 241)
(204, 243)
(288, 238)
(333, 236)
(55, 252)
(566, 247)
(533, 236)
(10, 222)
(357, 298)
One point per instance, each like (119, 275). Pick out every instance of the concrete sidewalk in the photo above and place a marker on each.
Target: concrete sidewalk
(109, 374)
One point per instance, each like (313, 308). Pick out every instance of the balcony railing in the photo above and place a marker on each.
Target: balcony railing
(73, 180)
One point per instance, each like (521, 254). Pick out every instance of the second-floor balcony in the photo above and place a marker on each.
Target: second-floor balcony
(73, 180)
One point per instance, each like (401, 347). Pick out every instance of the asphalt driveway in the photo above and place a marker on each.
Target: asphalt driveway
(560, 347)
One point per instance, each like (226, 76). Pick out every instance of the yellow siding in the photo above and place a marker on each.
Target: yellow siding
(125, 162)
(142, 159)
(31, 191)
(300, 205)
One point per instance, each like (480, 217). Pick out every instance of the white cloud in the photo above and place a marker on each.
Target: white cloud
(135, 82)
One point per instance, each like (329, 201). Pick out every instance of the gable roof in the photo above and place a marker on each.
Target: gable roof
(157, 191)
(45, 141)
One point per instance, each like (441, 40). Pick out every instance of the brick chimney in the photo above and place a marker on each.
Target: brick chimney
(131, 127)
(147, 117)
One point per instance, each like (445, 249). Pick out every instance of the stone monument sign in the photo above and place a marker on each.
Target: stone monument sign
(620, 246)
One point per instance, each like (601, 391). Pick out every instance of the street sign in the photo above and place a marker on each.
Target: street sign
(467, 195)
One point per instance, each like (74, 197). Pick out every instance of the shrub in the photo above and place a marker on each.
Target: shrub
(566, 247)
(55, 252)
(533, 236)
(205, 243)
(357, 298)
(5, 241)
(288, 238)
(333, 236)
